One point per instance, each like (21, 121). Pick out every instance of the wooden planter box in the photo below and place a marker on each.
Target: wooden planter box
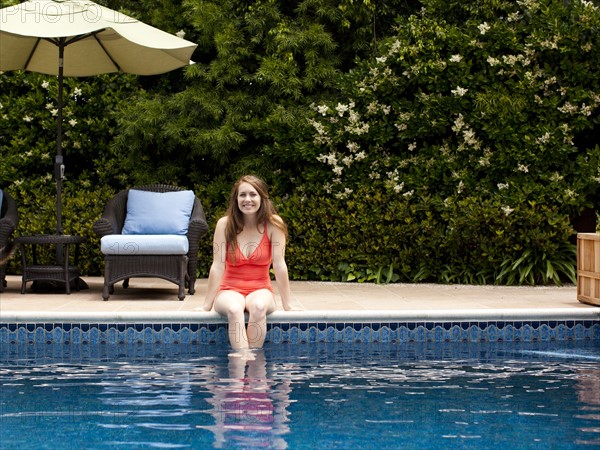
(588, 268)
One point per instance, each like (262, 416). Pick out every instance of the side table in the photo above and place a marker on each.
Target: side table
(57, 271)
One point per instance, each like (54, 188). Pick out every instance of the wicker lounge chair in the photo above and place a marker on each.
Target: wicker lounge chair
(9, 219)
(179, 267)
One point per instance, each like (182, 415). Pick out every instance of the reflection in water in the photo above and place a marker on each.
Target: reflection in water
(249, 408)
(436, 395)
(588, 393)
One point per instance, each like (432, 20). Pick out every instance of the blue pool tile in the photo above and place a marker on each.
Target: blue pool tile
(348, 333)
(221, 335)
(395, 332)
(275, 335)
(330, 333)
(543, 332)
(498, 333)
(57, 335)
(595, 330)
(454, 333)
(30, 336)
(203, 335)
(131, 335)
(509, 332)
(295, 335)
(384, 333)
(21, 334)
(527, 333)
(536, 332)
(438, 333)
(474, 332)
(411, 332)
(185, 334)
(166, 337)
(111, 335)
(92, 335)
(421, 333)
(569, 330)
(147, 336)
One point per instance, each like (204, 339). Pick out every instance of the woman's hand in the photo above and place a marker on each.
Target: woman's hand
(204, 308)
(293, 307)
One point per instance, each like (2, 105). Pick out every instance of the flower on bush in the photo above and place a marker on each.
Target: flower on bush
(488, 103)
(518, 93)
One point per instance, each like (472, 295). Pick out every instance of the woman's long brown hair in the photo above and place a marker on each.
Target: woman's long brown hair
(266, 212)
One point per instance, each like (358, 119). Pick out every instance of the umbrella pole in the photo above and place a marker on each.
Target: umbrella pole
(59, 172)
(59, 168)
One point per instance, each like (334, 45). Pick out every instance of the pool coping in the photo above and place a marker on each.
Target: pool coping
(322, 316)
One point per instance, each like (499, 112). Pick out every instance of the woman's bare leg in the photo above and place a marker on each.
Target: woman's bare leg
(232, 305)
(258, 304)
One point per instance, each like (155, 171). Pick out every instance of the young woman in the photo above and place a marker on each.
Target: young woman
(248, 239)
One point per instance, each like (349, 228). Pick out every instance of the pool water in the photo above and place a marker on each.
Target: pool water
(430, 395)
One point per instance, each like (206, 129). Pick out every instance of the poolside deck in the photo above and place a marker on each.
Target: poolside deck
(153, 300)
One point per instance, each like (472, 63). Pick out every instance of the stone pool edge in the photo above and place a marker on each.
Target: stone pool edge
(323, 316)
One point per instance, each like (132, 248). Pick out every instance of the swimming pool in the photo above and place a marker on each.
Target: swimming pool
(93, 393)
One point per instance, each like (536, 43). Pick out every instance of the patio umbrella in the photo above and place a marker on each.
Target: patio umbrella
(79, 38)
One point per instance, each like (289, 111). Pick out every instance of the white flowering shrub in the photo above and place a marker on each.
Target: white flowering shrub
(481, 119)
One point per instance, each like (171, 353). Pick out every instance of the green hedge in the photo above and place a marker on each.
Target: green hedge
(374, 236)
(370, 236)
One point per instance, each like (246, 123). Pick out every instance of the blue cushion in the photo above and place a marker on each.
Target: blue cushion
(149, 244)
(158, 212)
(1, 194)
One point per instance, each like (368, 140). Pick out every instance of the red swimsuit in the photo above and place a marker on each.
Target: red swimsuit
(246, 275)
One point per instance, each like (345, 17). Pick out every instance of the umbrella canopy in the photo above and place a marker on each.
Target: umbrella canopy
(78, 38)
(96, 40)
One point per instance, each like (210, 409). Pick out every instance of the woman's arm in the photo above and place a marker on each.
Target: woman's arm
(278, 242)
(217, 268)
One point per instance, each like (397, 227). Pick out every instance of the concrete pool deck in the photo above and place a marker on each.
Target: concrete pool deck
(155, 301)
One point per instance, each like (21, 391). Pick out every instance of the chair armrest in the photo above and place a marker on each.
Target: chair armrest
(7, 227)
(196, 230)
(198, 227)
(103, 227)
(113, 216)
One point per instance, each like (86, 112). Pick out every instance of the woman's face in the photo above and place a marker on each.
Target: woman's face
(248, 199)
